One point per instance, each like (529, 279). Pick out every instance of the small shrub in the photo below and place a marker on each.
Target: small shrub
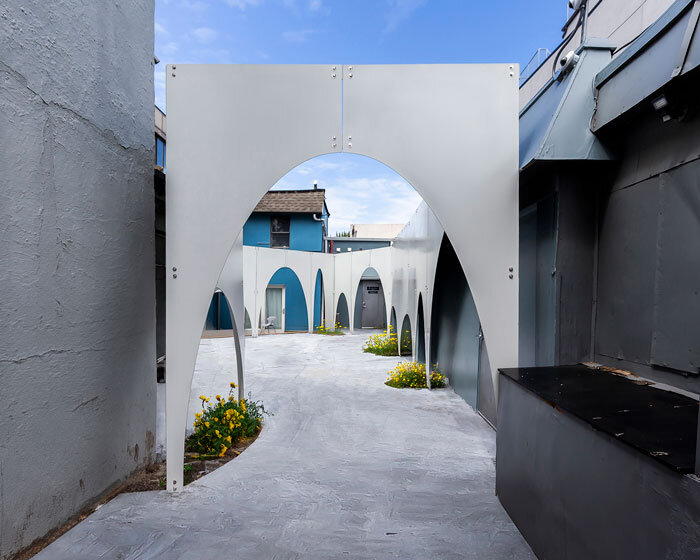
(220, 424)
(384, 344)
(412, 375)
(321, 329)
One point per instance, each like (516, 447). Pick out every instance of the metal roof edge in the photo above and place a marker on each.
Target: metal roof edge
(675, 11)
(593, 44)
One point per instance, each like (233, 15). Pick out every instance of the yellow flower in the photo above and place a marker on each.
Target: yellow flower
(233, 385)
(203, 397)
(206, 424)
(218, 397)
(217, 433)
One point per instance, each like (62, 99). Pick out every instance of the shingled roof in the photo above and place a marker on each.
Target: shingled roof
(293, 202)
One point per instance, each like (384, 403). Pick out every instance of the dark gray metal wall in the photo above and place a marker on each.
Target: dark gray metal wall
(648, 312)
(578, 494)
(538, 239)
(455, 332)
(77, 358)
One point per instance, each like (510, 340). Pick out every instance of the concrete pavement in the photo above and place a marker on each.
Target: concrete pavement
(345, 468)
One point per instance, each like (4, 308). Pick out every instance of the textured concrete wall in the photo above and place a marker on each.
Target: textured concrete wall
(77, 358)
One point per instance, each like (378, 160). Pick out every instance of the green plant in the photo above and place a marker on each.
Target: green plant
(223, 422)
(383, 344)
(412, 375)
(321, 329)
(406, 344)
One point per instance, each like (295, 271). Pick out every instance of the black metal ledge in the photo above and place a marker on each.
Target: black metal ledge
(660, 424)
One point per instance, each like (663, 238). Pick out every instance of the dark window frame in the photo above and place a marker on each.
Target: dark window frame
(276, 234)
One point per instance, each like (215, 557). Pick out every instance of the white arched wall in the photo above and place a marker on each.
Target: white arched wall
(233, 130)
(231, 284)
(353, 264)
(261, 263)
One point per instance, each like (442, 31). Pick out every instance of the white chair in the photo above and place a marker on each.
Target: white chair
(269, 323)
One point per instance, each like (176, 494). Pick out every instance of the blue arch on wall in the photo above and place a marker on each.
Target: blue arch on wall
(219, 314)
(318, 299)
(296, 318)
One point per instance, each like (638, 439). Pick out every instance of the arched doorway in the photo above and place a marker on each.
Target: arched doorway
(319, 301)
(405, 339)
(370, 307)
(285, 304)
(456, 341)
(420, 333)
(412, 118)
(392, 322)
(342, 314)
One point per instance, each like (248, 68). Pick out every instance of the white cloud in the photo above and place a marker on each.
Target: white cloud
(399, 10)
(315, 5)
(243, 4)
(262, 54)
(159, 29)
(205, 35)
(196, 6)
(159, 86)
(166, 51)
(300, 36)
(358, 190)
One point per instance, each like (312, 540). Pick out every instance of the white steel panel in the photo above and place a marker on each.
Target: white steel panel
(233, 131)
(452, 132)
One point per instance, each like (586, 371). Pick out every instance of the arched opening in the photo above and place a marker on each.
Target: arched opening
(342, 314)
(285, 304)
(392, 321)
(420, 332)
(219, 313)
(405, 339)
(290, 112)
(456, 339)
(370, 307)
(247, 324)
(319, 301)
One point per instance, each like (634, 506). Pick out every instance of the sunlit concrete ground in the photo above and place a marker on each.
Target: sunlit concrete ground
(345, 468)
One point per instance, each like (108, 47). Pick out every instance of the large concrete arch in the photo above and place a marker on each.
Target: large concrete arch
(450, 130)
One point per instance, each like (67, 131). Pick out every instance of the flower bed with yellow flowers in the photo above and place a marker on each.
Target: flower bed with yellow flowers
(322, 329)
(412, 375)
(222, 423)
(383, 344)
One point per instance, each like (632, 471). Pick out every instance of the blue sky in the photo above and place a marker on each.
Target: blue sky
(352, 32)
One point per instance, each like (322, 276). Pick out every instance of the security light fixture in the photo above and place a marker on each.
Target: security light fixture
(660, 102)
(566, 63)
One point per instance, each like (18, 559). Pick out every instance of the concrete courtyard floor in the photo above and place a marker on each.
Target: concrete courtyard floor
(345, 468)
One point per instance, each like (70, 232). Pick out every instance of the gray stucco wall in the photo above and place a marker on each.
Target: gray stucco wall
(77, 359)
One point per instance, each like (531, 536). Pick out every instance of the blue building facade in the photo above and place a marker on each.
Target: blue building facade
(289, 219)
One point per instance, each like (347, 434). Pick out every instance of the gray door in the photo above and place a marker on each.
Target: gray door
(372, 304)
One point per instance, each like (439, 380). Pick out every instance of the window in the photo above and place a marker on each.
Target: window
(279, 231)
(160, 152)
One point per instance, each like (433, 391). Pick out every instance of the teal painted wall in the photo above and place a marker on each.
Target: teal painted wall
(305, 233)
(295, 302)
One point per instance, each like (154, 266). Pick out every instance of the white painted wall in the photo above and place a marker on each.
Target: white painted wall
(407, 271)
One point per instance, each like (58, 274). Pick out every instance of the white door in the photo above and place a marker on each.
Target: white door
(274, 306)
